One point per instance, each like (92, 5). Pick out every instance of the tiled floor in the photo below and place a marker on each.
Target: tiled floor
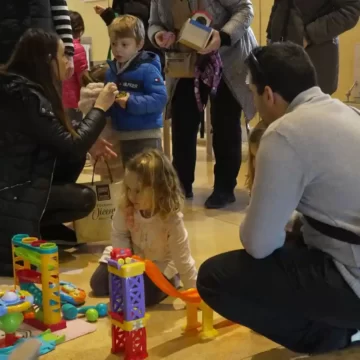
(211, 232)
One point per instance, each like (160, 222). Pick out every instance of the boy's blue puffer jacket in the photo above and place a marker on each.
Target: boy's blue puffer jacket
(143, 81)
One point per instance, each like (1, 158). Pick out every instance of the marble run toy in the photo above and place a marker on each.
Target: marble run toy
(127, 304)
(28, 251)
(71, 294)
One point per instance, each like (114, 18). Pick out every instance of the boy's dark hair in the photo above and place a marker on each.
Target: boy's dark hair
(285, 67)
(77, 24)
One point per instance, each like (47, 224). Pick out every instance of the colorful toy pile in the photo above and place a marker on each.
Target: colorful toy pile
(39, 307)
(49, 306)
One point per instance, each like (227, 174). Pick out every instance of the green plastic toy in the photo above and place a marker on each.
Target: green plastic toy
(11, 322)
(92, 315)
(48, 336)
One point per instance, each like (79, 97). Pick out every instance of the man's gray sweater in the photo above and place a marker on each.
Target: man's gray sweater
(309, 160)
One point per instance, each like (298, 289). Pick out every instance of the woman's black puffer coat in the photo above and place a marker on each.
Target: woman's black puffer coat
(31, 138)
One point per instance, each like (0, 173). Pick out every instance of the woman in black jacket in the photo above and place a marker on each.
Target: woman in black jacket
(34, 132)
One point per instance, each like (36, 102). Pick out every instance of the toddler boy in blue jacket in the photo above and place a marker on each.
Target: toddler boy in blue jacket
(137, 112)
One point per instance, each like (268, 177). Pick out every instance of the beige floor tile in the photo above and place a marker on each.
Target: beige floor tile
(209, 236)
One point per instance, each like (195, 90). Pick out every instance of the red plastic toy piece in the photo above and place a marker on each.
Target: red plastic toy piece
(29, 276)
(133, 343)
(38, 243)
(117, 254)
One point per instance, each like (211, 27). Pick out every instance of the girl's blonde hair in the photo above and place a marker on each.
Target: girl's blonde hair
(254, 140)
(155, 172)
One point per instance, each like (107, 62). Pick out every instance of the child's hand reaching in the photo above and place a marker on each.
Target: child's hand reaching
(99, 9)
(122, 99)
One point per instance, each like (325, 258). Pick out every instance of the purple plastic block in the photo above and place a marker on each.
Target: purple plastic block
(134, 298)
(116, 294)
(114, 263)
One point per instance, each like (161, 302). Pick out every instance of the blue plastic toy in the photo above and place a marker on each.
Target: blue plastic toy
(71, 294)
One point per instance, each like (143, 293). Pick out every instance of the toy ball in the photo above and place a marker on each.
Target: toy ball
(92, 315)
(102, 309)
(9, 323)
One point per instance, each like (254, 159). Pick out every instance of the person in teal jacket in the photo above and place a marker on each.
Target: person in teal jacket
(137, 113)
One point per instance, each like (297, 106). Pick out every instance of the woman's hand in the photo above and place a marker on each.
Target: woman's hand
(165, 39)
(102, 150)
(88, 96)
(213, 45)
(99, 9)
(106, 97)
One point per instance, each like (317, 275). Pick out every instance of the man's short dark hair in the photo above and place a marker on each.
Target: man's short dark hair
(285, 67)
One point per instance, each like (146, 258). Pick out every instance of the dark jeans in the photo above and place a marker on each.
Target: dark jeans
(130, 148)
(99, 284)
(295, 297)
(225, 121)
(68, 201)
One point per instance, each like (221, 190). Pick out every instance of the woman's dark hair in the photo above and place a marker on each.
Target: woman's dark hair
(33, 59)
(77, 24)
(285, 67)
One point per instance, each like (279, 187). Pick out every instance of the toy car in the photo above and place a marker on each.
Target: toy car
(71, 294)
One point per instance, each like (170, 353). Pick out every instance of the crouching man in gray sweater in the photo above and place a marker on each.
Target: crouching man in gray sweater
(304, 298)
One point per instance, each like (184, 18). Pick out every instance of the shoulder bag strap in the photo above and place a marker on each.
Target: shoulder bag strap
(333, 231)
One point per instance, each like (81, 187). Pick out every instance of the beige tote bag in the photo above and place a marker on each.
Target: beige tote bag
(96, 227)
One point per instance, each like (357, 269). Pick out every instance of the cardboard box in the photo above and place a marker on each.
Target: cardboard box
(195, 35)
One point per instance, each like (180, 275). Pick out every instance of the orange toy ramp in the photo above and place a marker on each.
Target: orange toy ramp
(156, 276)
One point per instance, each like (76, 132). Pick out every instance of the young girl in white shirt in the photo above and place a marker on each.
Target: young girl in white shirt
(293, 227)
(149, 222)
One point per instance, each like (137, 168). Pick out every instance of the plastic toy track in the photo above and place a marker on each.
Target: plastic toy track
(156, 276)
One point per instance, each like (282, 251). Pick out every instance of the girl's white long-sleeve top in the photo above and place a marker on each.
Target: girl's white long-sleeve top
(165, 242)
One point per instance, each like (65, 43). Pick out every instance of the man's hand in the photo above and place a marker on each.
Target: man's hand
(102, 150)
(99, 9)
(122, 100)
(213, 45)
(70, 67)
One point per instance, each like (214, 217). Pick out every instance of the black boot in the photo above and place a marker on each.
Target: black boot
(219, 199)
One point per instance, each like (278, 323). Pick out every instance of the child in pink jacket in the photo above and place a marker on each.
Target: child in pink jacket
(72, 86)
